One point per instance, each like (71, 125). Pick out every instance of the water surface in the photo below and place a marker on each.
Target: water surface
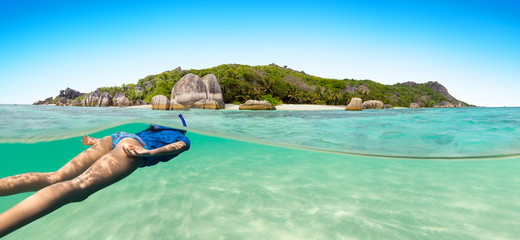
(230, 186)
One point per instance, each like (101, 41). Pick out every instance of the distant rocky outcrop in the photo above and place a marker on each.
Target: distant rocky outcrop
(96, 99)
(356, 104)
(61, 101)
(65, 97)
(44, 102)
(352, 89)
(105, 100)
(70, 93)
(120, 100)
(414, 105)
(411, 84)
(444, 104)
(387, 106)
(439, 88)
(160, 102)
(256, 105)
(373, 104)
(253, 82)
(348, 89)
(364, 89)
(92, 99)
(190, 90)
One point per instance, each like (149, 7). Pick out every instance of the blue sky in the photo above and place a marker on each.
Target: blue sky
(471, 47)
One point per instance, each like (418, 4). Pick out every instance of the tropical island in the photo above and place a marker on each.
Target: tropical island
(272, 83)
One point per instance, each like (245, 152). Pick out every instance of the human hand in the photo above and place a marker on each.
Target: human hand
(86, 140)
(176, 146)
(136, 151)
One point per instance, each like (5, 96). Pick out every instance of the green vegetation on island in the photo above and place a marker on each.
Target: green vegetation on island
(278, 85)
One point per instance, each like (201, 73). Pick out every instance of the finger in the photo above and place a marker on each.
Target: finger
(131, 150)
(179, 145)
(127, 150)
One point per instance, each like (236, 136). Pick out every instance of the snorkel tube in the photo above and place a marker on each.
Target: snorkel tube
(182, 119)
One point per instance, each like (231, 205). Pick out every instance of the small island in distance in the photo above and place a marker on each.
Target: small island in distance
(273, 83)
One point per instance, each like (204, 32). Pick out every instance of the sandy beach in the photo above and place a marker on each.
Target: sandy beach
(309, 107)
(296, 107)
(147, 106)
(290, 107)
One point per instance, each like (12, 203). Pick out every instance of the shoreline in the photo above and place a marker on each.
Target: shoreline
(230, 106)
(147, 106)
(283, 107)
(296, 107)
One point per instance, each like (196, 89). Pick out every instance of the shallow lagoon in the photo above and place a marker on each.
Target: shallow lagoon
(235, 189)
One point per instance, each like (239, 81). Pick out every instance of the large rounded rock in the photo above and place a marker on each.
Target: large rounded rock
(444, 104)
(414, 105)
(160, 102)
(207, 104)
(214, 92)
(256, 105)
(373, 104)
(76, 103)
(105, 100)
(356, 104)
(120, 100)
(188, 90)
(92, 99)
(388, 106)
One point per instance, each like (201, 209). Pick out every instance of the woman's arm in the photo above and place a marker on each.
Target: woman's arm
(170, 149)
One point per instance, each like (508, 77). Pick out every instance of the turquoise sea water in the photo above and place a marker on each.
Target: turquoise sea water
(439, 174)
